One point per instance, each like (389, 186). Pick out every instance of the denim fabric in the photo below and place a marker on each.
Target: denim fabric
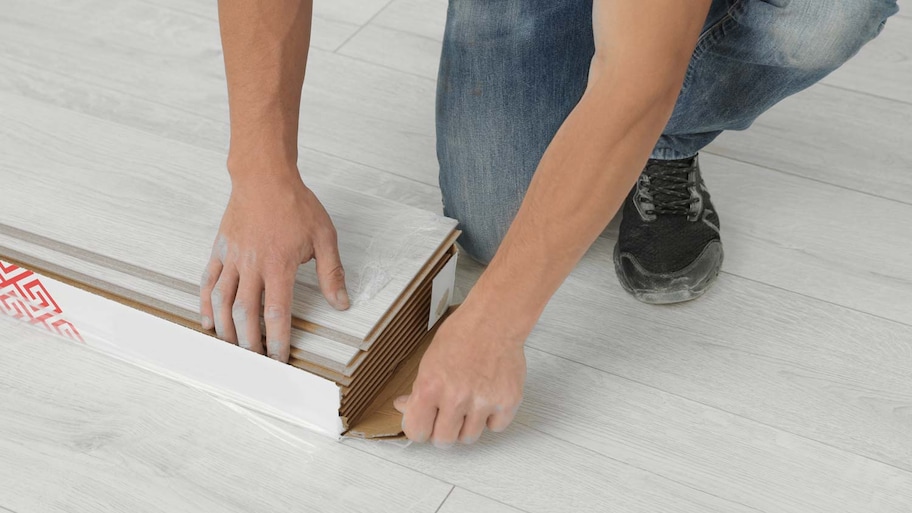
(512, 70)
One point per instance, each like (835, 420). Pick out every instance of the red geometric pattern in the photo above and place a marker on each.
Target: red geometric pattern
(22, 296)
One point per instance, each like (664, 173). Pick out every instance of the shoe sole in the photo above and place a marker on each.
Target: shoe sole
(676, 287)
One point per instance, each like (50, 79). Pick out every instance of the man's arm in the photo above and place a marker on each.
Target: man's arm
(273, 222)
(472, 375)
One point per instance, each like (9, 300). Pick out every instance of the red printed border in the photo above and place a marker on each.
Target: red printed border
(24, 297)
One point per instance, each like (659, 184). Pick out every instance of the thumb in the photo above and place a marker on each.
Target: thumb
(331, 275)
(400, 402)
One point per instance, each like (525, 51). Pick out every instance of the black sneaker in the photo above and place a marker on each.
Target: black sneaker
(668, 248)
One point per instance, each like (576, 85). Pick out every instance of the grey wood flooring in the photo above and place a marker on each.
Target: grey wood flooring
(787, 388)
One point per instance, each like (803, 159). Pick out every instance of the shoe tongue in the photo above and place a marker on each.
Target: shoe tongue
(662, 184)
(654, 166)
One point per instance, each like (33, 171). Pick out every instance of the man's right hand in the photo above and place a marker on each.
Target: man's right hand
(273, 223)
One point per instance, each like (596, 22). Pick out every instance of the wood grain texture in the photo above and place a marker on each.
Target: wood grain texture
(96, 434)
(833, 136)
(329, 30)
(815, 239)
(420, 17)
(463, 501)
(384, 119)
(749, 392)
(535, 472)
(807, 367)
(884, 66)
(402, 51)
(723, 454)
(138, 201)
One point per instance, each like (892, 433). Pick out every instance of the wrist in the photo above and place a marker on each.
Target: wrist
(251, 164)
(492, 305)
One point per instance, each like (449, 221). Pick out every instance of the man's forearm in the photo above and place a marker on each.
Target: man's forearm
(642, 53)
(265, 44)
(580, 183)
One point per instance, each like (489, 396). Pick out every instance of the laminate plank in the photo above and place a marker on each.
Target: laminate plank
(833, 136)
(328, 30)
(461, 501)
(811, 368)
(819, 240)
(420, 17)
(383, 120)
(722, 454)
(154, 216)
(884, 66)
(83, 432)
(905, 9)
(402, 51)
(529, 470)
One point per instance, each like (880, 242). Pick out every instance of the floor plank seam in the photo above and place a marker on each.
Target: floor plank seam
(452, 487)
(824, 83)
(717, 408)
(384, 66)
(354, 443)
(182, 11)
(366, 23)
(803, 177)
(628, 464)
(825, 301)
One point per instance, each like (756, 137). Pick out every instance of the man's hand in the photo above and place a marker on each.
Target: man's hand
(471, 376)
(272, 224)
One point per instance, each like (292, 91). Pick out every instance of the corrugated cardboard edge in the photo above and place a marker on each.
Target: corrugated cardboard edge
(382, 420)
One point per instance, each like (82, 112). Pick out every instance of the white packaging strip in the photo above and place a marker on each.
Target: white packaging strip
(227, 371)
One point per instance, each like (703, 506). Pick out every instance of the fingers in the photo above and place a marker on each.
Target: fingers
(277, 315)
(222, 299)
(246, 312)
(418, 420)
(501, 418)
(207, 283)
(447, 426)
(329, 271)
(473, 426)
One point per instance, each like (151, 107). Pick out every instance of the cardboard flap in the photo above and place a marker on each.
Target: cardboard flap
(382, 420)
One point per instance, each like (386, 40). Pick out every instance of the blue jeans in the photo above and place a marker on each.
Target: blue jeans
(512, 70)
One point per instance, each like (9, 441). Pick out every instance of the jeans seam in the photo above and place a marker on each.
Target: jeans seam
(711, 36)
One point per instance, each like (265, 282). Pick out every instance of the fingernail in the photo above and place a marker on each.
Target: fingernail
(206, 322)
(342, 302)
(274, 349)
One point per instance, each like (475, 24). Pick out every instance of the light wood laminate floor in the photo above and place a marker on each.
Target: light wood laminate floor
(787, 388)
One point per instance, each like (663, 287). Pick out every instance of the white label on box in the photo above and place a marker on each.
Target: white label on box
(442, 291)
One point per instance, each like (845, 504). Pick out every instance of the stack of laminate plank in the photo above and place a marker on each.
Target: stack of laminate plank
(136, 223)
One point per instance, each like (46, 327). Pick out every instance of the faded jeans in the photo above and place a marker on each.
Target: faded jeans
(512, 70)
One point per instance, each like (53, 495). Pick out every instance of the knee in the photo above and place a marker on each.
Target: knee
(483, 223)
(814, 35)
(484, 207)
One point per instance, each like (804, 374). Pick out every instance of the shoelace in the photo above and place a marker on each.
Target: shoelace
(667, 189)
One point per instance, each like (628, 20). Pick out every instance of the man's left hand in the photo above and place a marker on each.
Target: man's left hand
(471, 376)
